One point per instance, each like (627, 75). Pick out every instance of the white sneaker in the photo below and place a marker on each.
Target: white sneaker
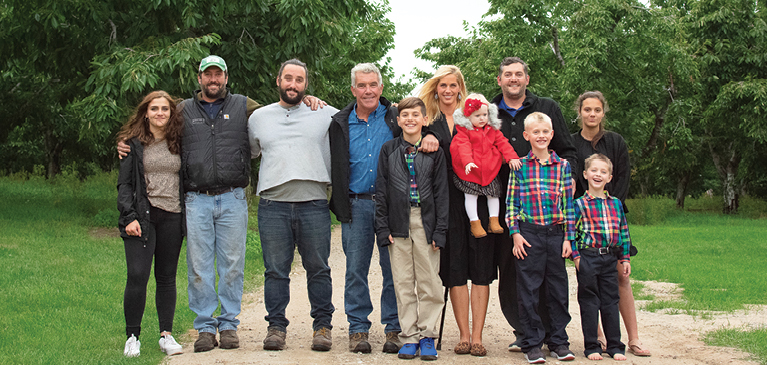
(169, 345)
(132, 347)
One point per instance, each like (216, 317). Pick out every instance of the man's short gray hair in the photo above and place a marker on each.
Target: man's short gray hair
(365, 68)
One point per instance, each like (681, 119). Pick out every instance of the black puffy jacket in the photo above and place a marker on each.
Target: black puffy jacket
(393, 193)
(215, 153)
(132, 199)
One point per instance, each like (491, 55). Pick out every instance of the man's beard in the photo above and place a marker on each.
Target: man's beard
(221, 92)
(294, 100)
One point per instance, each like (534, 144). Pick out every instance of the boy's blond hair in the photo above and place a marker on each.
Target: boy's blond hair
(598, 157)
(537, 117)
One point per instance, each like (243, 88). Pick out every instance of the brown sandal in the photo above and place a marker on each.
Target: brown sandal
(635, 347)
(462, 348)
(478, 350)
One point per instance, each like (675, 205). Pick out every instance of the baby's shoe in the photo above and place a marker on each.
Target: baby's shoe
(494, 226)
(476, 229)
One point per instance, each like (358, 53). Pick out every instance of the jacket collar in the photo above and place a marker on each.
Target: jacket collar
(530, 98)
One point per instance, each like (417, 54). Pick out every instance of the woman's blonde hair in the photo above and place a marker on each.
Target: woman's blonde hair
(429, 91)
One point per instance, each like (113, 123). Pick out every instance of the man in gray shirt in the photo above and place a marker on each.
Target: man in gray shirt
(293, 209)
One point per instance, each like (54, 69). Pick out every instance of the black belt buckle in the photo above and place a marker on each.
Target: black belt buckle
(604, 250)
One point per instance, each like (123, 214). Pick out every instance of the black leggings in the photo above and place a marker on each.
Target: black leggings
(164, 238)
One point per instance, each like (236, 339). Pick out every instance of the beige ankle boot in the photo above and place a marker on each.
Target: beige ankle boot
(494, 226)
(476, 229)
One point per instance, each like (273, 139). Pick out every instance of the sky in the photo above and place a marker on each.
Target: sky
(419, 21)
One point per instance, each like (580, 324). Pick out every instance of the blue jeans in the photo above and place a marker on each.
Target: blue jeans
(358, 237)
(283, 226)
(216, 230)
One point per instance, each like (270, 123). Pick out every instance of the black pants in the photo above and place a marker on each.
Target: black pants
(162, 240)
(598, 292)
(507, 290)
(543, 262)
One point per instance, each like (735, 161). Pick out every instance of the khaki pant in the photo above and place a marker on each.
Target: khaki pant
(415, 269)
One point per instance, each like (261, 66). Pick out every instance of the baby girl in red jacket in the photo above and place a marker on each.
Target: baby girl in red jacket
(478, 150)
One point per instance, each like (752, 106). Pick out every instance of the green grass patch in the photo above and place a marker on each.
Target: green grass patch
(63, 285)
(716, 259)
(639, 291)
(753, 341)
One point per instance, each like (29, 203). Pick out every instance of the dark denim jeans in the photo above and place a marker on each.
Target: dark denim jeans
(283, 227)
(358, 237)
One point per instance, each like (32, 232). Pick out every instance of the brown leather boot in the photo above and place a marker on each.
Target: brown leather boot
(476, 229)
(494, 226)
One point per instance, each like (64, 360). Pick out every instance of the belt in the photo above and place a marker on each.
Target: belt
(600, 250)
(363, 196)
(414, 204)
(214, 192)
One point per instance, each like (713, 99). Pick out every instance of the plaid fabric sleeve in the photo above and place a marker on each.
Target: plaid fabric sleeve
(568, 202)
(625, 238)
(578, 227)
(512, 202)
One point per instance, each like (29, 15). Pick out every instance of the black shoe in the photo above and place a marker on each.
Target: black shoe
(563, 353)
(535, 356)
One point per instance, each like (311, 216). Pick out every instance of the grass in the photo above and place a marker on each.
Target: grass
(718, 260)
(63, 285)
(752, 341)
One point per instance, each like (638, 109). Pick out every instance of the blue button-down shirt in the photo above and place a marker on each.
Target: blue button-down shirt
(365, 141)
(509, 109)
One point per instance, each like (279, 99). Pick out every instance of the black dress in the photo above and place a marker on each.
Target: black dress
(614, 147)
(464, 257)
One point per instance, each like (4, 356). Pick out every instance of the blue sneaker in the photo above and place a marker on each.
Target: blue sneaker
(408, 351)
(428, 352)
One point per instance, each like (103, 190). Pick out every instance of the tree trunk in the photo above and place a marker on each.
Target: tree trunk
(53, 149)
(681, 190)
(727, 165)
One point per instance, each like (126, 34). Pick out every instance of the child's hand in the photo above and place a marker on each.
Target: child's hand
(626, 269)
(577, 262)
(469, 166)
(567, 250)
(519, 246)
(391, 239)
(434, 246)
(515, 164)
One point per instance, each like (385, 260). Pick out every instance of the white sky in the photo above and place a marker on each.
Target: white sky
(418, 21)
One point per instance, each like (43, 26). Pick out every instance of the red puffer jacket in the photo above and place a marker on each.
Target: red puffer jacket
(487, 148)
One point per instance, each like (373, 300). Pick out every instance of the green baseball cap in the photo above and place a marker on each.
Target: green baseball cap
(212, 61)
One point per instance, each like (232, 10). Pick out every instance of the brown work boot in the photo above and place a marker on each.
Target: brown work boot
(275, 339)
(206, 341)
(322, 340)
(229, 339)
(392, 344)
(358, 342)
(494, 226)
(476, 229)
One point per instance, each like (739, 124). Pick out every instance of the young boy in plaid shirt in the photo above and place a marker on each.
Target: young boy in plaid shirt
(541, 220)
(602, 239)
(411, 219)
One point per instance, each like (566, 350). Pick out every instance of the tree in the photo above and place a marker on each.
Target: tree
(92, 61)
(730, 40)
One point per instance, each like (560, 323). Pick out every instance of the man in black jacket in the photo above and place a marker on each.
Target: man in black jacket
(515, 103)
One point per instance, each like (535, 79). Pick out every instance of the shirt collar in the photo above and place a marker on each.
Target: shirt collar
(373, 114)
(588, 195)
(552, 159)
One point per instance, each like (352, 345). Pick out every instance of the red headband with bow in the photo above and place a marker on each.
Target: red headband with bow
(471, 106)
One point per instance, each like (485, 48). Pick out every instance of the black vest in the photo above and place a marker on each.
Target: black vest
(215, 153)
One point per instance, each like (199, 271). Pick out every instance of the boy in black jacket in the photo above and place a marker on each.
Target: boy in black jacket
(411, 219)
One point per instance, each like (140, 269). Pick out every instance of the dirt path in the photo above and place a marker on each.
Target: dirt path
(673, 339)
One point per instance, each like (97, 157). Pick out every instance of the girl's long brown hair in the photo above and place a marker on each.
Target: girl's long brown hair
(138, 125)
(579, 103)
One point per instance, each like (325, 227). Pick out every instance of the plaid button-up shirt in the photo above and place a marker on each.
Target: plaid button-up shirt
(409, 160)
(601, 223)
(541, 193)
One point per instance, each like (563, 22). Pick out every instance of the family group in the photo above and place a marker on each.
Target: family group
(422, 180)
